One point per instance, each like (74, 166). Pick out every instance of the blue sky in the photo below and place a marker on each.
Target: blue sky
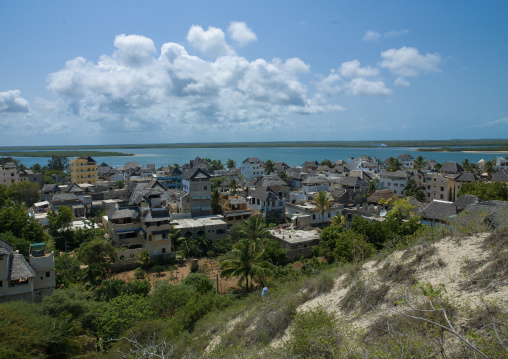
(97, 72)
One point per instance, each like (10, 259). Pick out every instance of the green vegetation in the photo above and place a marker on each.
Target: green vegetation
(93, 315)
(487, 191)
(69, 153)
(461, 149)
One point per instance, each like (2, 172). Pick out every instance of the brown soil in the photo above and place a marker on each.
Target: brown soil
(208, 266)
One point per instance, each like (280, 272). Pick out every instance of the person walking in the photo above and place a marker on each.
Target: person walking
(264, 292)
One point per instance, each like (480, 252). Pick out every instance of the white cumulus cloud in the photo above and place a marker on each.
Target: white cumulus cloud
(364, 87)
(408, 62)
(211, 41)
(241, 33)
(371, 36)
(11, 101)
(353, 69)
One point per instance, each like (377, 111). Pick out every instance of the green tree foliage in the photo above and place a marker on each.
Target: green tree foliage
(373, 186)
(113, 288)
(328, 163)
(216, 181)
(216, 201)
(144, 258)
(121, 313)
(393, 165)
(254, 229)
(233, 187)
(120, 184)
(26, 193)
(273, 253)
(351, 246)
(419, 163)
(167, 298)
(4, 198)
(199, 281)
(231, 163)
(26, 332)
(323, 203)
(413, 190)
(68, 270)
(76, 304)
(15, 219)
(269, 167)
(20, 244)
(58, 163)
(487, 191)
(247, 264)
(97, 251)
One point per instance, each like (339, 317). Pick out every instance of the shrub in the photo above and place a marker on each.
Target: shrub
(199, 281)
(322, 283)
(139, 273)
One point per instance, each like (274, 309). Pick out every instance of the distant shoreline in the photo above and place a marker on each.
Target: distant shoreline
(63, 153)
(437, 144)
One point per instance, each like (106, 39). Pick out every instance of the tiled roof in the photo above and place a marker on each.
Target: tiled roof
(466, 200)
(5, 248)
(381, 194)
(270, 181)
(451, 167)
(116, 213)
(156, 214)
(195, 173)
(252, 160)
(19, 268)
(315, 181)
(405, 156)
(265, 194)
(64, 197)
(439, 210)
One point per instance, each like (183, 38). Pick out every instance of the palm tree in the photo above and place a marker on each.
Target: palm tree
(233, 187)
(490, 168)
(249, 263)
(412, 189)
(190, 247)
(373, 186)
(144, 258)
(216, 204)
(338, 221)
(393, 165)
(323, 203)
(254, 229)
(269, 167)
(176, 238)
(419, 163)
(230, 163)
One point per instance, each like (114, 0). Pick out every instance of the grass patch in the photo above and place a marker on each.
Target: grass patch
(363, 296)
(322, 283)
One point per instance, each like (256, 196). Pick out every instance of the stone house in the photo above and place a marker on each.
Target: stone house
(268, 203)
(198, 189)
(22, 280)
(251, 168)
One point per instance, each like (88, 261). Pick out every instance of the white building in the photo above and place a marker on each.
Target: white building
(251, 168)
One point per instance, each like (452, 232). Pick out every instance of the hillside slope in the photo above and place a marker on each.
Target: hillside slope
(445, 298)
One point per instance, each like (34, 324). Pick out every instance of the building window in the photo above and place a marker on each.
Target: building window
(441, 196)
(163, 250)
(442, 188)
(48, 274)
(1, 283)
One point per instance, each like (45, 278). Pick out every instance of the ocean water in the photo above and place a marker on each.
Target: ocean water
(293, 156)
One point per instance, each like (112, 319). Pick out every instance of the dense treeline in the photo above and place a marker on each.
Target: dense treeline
(63, 153)
(344, 144)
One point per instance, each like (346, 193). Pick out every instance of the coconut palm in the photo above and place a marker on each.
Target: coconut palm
(269, 167)
(176, 238)
(254, 229)
(216, 201)
(393, 165)
(247, 264)
(338, 221)
(373, 186)
(490, 168)
(323, 203)
(419, 163)
(230, 163)
(233, 187)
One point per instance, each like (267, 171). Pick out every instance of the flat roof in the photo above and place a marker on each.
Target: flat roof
(297, 235)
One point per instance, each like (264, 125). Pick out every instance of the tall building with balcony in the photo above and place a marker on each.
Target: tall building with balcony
(84, 170)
